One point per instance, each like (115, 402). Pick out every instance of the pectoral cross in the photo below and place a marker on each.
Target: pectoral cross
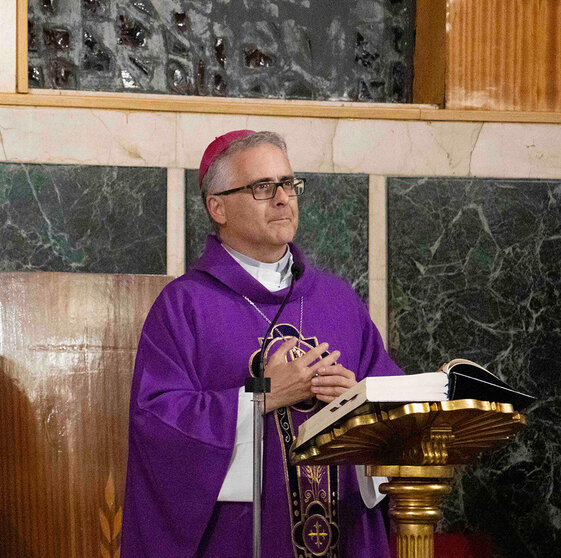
(296, 352)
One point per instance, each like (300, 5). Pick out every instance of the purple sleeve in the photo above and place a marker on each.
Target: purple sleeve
(181, 438)
(374, 360)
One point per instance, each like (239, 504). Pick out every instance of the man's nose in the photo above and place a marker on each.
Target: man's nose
(281, 197)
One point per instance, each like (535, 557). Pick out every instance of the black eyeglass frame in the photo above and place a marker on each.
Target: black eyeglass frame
(297, 191)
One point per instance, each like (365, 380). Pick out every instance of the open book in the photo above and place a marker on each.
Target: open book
(457, 379)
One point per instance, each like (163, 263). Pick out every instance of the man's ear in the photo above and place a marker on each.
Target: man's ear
(216, 209)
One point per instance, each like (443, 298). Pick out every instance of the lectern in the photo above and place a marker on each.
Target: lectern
(417, 445)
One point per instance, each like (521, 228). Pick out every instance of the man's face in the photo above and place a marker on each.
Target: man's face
(258, 228)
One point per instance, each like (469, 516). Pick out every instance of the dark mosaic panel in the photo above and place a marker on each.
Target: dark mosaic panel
(475, 271)
(85, 219)
(291, 49)
(333, 229)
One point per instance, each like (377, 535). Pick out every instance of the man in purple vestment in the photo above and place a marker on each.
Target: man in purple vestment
(189, 478)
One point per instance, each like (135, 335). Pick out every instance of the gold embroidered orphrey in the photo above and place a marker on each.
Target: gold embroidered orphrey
(312, 490)
(313, 496)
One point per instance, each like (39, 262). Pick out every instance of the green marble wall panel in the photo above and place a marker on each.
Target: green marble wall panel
(290, 49)
(82, 218)
(475, 272)
(333, 224)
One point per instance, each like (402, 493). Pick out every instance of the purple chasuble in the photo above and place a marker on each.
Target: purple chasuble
(194, 355)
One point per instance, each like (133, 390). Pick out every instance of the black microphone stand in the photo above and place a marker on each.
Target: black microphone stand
(259, 386)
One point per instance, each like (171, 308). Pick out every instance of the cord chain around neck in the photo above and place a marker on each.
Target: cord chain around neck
(296, 351)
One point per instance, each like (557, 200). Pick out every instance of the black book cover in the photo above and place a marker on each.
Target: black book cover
(468, 380)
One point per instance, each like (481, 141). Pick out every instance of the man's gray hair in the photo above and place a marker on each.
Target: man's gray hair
(219, 178)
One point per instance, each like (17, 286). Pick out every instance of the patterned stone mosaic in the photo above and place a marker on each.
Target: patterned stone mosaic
(292, 49)
(333, 224)
(82, 218)
(475, 272)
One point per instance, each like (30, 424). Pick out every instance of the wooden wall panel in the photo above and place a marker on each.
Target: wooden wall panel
(430, 56)
(504, 55)
(67, 347)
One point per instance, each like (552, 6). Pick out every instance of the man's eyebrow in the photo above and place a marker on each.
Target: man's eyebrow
(271, 179)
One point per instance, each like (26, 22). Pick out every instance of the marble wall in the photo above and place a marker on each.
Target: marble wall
(82, 218)
(333, 228)
(292, 49)
(474, 271)
(520, 485)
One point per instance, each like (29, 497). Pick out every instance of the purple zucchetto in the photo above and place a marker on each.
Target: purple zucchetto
(218, 146)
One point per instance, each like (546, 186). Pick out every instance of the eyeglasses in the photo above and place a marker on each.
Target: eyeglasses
(267, 190)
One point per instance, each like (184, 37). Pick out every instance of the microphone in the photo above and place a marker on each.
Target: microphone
(297, 270)
(262, 384)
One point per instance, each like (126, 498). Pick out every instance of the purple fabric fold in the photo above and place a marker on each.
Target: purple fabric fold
(193, 357)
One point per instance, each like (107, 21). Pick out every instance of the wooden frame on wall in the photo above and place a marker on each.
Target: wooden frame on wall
(22, 85)
(428, 88)
(430, 61)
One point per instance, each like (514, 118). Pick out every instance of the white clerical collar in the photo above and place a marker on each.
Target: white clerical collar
(273, 276)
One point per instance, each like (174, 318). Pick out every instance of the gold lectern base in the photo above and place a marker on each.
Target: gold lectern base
(414, 506)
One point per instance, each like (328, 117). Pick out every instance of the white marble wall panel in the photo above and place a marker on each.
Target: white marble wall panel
(196, 131)
(378, 255)
(8, 46)
(87, 136)
(309, 140)
(518, 151)
(377, 147)
(176, 222)
(404, 147)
